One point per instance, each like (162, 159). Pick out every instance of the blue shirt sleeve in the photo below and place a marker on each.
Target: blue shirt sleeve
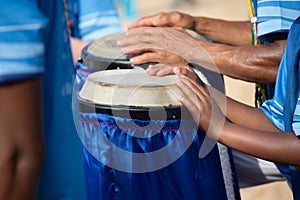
(276, 16)
(21, 40)
(95, 18)
(273, 108)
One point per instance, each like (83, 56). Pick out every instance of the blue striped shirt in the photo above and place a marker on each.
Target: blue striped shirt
(94, 19)
(273, 108)
(21, 42)
(276, 15)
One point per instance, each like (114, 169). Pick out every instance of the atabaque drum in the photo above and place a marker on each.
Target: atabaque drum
(104, 54)
(141, 143)
(101, 54)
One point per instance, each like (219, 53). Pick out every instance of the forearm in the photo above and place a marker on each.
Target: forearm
(270, 144)
(256, 119)
(221, 31)
(21, 139)
(277, 147)
(249, 63)
(76, 46)
(236, 111)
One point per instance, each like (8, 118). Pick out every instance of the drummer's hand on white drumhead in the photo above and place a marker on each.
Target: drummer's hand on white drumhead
(186, 70)
(162, 69)
(197, 99)
(155, 56)
(159, 70)
(157, 44)
(163, 19)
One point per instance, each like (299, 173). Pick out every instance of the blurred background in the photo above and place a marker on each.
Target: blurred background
(132, 10)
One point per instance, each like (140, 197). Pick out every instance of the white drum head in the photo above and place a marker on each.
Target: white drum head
(106, 48)
(130, 87)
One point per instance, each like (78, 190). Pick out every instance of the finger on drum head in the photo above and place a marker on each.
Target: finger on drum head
(176, 71)
(149, 57)
(134, 49)
(185, 87)
(165, 71)
(192, 91)
(140, 59)
(152, 70)
(137, 24)
(144, 22)
(198, 87)
(190, 106)
(141, 31)
(155, 69)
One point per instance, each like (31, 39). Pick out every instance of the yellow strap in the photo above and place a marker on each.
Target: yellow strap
(251, 9)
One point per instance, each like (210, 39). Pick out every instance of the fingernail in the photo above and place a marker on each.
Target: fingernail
(180, 98)
(132, 60)
(156, 20)
(176, 70)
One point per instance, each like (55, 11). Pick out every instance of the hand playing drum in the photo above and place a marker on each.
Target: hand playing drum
(172, 19)
(157, 44)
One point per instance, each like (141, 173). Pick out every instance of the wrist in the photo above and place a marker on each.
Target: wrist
(192, 23)
(200, 25)
(227, 126)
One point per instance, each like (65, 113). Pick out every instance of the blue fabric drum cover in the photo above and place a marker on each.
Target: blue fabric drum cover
(137, 157)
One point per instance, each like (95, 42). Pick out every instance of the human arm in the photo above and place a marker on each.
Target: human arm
(21, 118)
(21, 139)
(235, 33)
(76, 47)
(221, 31)
(249, 63)
(260, 138)
(234, 110)
(76, 44)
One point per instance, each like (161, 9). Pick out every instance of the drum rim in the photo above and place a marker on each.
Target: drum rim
(136, 113)
(90, 104)
(96, 62)
(87, 56)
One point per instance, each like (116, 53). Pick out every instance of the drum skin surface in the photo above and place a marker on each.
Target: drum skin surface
(132, 87)
(105, 54)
